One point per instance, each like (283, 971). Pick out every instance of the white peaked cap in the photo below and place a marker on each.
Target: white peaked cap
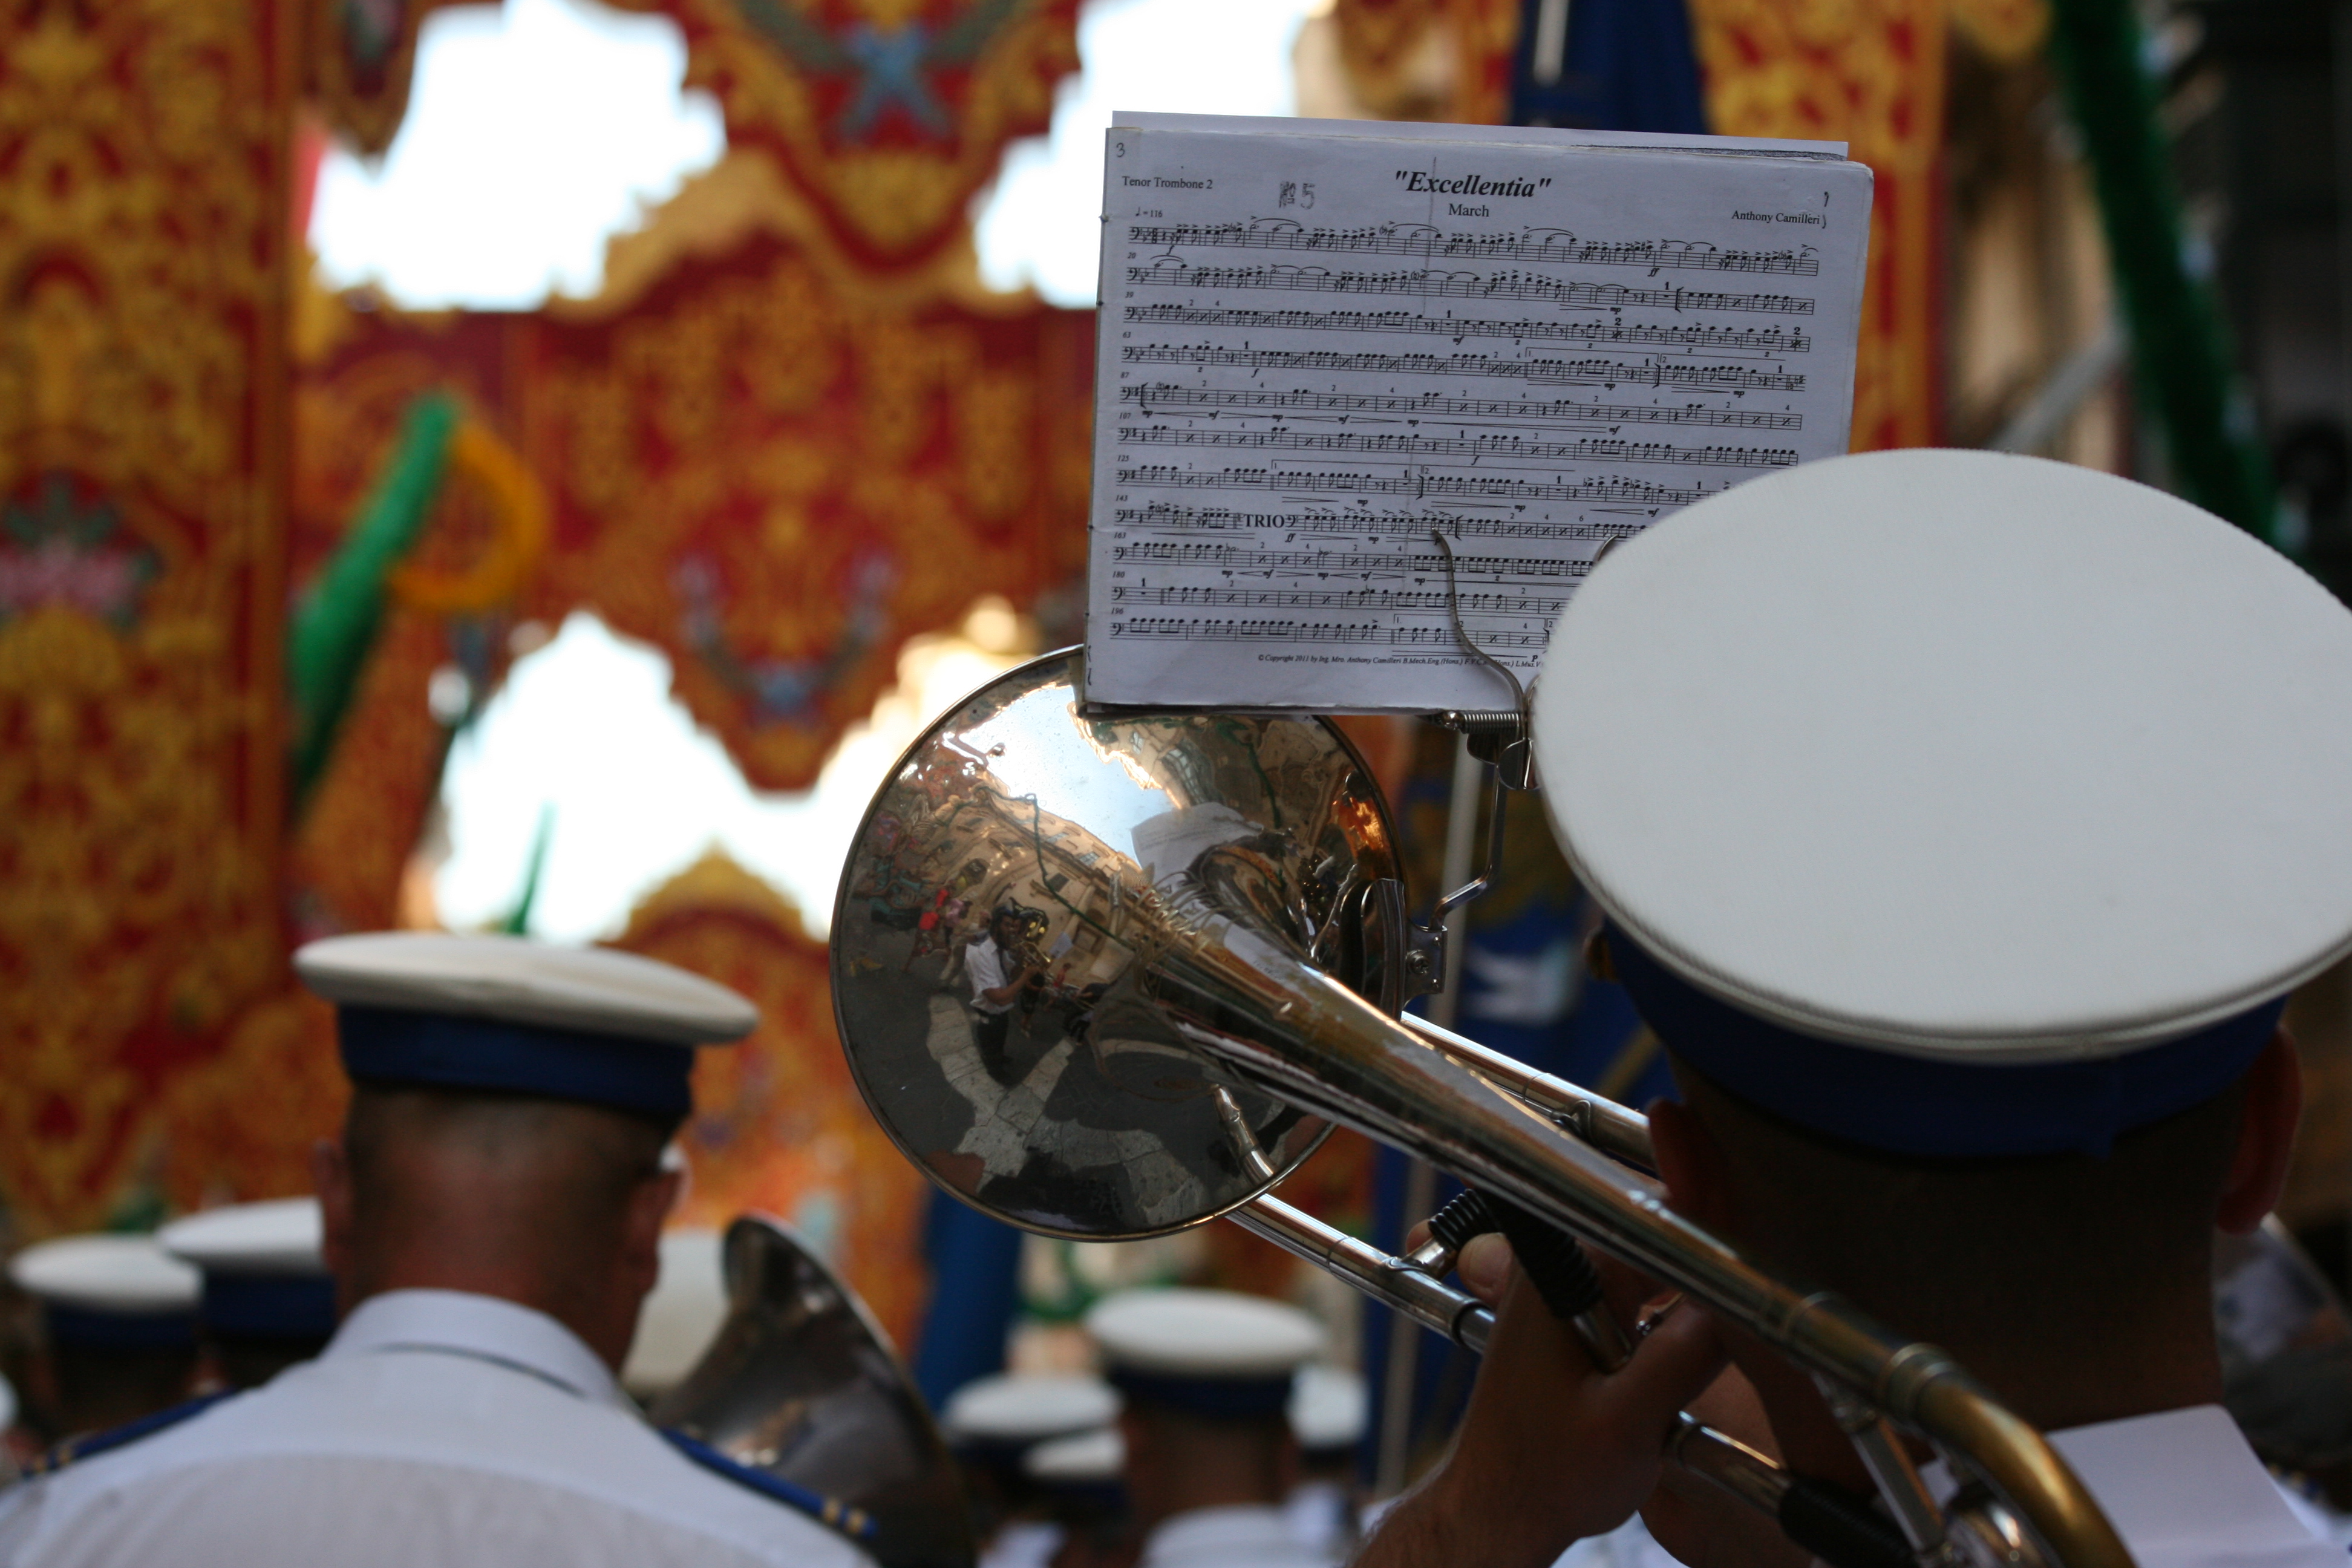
(277, 1237)
(125, 1276)
(1958, 755)
(1219, 1334)
(682, 1314)
(1088, 1458)
(1327, 1407)
(1015, 1407)
(595, 991)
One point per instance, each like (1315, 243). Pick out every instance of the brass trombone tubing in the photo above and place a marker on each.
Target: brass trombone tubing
(1616, 1131)
(1316, 1045)
(1755, 1477)
(1392, 1281)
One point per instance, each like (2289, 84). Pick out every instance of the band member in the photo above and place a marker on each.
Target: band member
(268, 1300)
(997, 977)
(1081, 1479)
(1328, 1410)
(118, 1329)
(1209, 1451)
(1962, 822)
(994, 1424)
(491, 1214)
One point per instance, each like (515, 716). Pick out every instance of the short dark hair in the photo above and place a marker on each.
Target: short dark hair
(2032, 1242)
(555, 1177)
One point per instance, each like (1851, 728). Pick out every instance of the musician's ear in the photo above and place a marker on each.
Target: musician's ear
(2266, 1126)
(1691, 1163)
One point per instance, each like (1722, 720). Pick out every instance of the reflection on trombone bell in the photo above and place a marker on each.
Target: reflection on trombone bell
(1228, 890)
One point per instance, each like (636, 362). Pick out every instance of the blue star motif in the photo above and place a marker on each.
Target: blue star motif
(892, 73)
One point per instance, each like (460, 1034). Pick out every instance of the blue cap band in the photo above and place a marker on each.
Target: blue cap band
(1219, 1397)
(1935, 1106)
(120, 1330)
(439, 1050)
(1109, 1495)
(270, 1306)
(998, 1453)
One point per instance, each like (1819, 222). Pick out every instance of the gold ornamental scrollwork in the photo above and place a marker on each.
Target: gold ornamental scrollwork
(142, 245)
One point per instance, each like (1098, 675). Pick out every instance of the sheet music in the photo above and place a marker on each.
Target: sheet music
(1315, 348)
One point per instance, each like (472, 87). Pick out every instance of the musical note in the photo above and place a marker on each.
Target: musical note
(1166, 273)
(1497, 486)
(1422, 599)
(1171, 518)
(1554, 245)
(1195, 629)
(1537, 372)
(1162, 396)
(1752, 340)
(1424, 562)
(1516, 448)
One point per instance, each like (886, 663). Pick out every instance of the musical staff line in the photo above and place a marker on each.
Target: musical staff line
(1168, 273)
(1406, 599)
(1615, 488)
(1196, 628)
(1401, 564)
(1163, 517)
(1535, 371)
(1591, 449)
(1162, 396)
(1749, 340)
(1557, 247)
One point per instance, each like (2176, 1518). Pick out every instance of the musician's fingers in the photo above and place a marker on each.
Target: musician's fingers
(1485, 1267)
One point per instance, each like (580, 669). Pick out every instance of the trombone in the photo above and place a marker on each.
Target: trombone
(1225, 892)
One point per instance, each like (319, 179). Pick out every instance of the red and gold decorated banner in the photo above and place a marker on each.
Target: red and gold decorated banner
(1396, 52)
(773, 478)
(887, 115)
(778, 1126)
(1866, 72)
(143, 245)
(1869, 73)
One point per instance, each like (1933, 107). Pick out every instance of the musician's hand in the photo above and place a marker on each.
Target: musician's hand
(1551, 1450)
(1699, 1522)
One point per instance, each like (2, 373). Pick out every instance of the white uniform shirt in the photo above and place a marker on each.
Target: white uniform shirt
(437, 1428)
(1024, 1543)
(1242, 1537)
(1322, 1519)
(2181, 1487)
(985, 962)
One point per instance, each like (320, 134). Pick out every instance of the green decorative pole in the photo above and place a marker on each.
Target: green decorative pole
(517, 922)
(334, 623)
(2179, 348)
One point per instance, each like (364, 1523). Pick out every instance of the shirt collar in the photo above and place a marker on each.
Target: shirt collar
(485, 1328)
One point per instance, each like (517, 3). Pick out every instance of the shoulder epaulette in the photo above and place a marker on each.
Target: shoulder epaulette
(73, 1450)
(854, 1523)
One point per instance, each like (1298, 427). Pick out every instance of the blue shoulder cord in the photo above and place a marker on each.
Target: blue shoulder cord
(93, 1443)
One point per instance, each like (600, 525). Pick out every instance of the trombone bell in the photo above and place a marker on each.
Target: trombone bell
(801, 1384)
(1077, 1110)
